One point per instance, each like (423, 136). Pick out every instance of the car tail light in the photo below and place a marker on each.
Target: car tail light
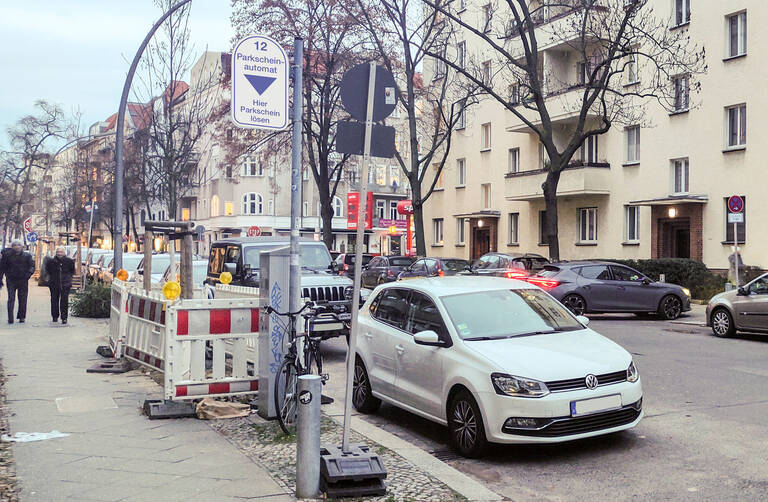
(390, 273)
(544, 283)
(515, 274)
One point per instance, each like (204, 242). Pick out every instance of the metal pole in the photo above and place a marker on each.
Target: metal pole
(294, 289)
(117, 235)
(90, 222)
(358, 257)
(736, 250)
(308, 437)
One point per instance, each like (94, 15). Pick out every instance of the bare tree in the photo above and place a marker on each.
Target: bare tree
(625, 56)
(404, 33)
(333, 44)
(24, 166)
(178, 113)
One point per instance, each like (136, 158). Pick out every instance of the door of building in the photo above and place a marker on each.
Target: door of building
(683, 243)
(481, 241)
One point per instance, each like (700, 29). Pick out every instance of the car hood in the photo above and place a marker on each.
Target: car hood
(725, 296)
(556, 356)
(323, 279)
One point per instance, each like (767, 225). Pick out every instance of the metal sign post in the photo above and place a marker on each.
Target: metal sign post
(736, 216)
(294, 289)
(358, 256)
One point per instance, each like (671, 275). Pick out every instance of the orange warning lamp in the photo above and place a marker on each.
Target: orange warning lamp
(122, 274)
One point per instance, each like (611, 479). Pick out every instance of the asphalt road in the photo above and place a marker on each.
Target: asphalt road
(704, 435)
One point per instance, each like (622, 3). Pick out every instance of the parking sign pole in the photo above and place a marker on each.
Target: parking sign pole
(294, 281)
(736, 250)
(361, 212)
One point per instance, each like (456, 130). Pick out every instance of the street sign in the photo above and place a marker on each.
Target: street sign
(28, 225)
(254, 231)
(735, 217)
(88, 208)
(735, 204)
(354, 92)
(32, 237)
(351, 136)
(259, 84)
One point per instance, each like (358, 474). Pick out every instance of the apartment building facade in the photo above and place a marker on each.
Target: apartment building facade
(646, 190)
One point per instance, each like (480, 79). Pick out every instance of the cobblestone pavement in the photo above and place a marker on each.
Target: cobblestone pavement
(8, 486)
(265, 443)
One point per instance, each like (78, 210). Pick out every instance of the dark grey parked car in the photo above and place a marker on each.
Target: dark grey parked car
(383, 269)
(592, 287)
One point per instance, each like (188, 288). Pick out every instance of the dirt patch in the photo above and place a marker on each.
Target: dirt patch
(8, 485)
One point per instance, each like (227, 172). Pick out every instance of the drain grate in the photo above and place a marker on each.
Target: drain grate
(445, 455)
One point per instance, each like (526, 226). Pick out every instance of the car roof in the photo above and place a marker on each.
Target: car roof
(581, 263)
(446, 286)
(262, 240)
(515, 255)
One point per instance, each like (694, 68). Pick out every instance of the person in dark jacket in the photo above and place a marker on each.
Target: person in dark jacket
(60, 270)
(18, 266)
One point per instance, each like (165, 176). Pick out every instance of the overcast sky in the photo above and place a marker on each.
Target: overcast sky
(76, 52)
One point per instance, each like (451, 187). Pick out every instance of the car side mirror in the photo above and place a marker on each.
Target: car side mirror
(230, 267)
(583, 320)
(428, 338)
(742, 291)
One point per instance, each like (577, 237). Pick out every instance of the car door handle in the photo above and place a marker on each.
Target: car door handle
(621, 288)
(400, 349)
(368, 336)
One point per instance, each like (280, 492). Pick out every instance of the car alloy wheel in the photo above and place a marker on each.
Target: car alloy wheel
(671, 306)
(575, 304)
(466, 426)
(722, 325)
(362, 397)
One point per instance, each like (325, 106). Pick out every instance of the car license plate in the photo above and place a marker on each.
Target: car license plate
(595, 405)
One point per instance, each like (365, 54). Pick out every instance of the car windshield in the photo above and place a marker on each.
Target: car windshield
(400, 262)
(199, 272)
(314, 256)
(455, 265)
(160, 262)
(506, 313)
(130, 263)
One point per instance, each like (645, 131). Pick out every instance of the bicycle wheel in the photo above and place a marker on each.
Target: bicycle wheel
(286, 401)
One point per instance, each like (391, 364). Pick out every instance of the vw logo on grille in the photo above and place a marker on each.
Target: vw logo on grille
(591, 381)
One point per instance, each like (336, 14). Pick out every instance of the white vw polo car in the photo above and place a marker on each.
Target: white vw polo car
(494, 359)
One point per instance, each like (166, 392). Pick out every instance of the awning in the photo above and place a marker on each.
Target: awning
(480, 214)
(672, 200)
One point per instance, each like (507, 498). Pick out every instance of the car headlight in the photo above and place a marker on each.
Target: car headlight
(687, 292)
(508, 385)
(632, 373)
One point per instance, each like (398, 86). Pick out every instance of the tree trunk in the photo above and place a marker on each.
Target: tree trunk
(550, 223)
(418, 214)
(133, 221)
(326, 214)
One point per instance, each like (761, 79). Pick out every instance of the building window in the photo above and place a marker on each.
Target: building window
(542, 229)
(582, 72)
(633, 75)
(486, 73)
(271, 207)
(461, 169)
(741, 227)
(305, 208)
(380, 208)
(394, 175)
(439, 185)
(682, 12)
(543, 156)
(215, 206)
(461, 54)
(185, 214)
(485, 135)
(251, 167)
(338, 208)
(305, 174)
(632, 219)
(682, 92)
(437, 231)
(440, 66)
(252, 203)
(513, 160)
(514, 93)
(393, 210)
(487, 17)
(229, 208)
(589, 150)
(736, 126)
(737, 34)
(588, 224)
(459, 230)
(461, 118)
(514, 222)
(632, 135)
(486, 191)
(680, 176)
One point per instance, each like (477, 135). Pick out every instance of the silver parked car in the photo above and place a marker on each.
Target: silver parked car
(744, 309)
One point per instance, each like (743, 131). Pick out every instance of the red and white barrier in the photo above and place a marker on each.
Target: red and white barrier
(118, 317)
(231, 291)
(145, 331)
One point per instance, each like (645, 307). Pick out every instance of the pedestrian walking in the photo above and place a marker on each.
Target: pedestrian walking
(60, 270)
(17, 266)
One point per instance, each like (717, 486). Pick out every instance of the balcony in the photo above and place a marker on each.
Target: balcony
(563, 104)
(576, 180)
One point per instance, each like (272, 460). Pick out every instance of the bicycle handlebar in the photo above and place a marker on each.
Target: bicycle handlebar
(271, 310)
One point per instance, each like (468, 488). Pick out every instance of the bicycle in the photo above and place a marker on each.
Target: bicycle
(298, 361)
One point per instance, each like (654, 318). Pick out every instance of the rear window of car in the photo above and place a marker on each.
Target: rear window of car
(350, 259)
(538, 263)
(455, 265)
(549, 271)
(400, 262)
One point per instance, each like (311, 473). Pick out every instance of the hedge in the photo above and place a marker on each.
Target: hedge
(93, 301)
(691, 274)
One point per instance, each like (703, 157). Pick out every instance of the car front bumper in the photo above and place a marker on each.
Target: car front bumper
(552, 414)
